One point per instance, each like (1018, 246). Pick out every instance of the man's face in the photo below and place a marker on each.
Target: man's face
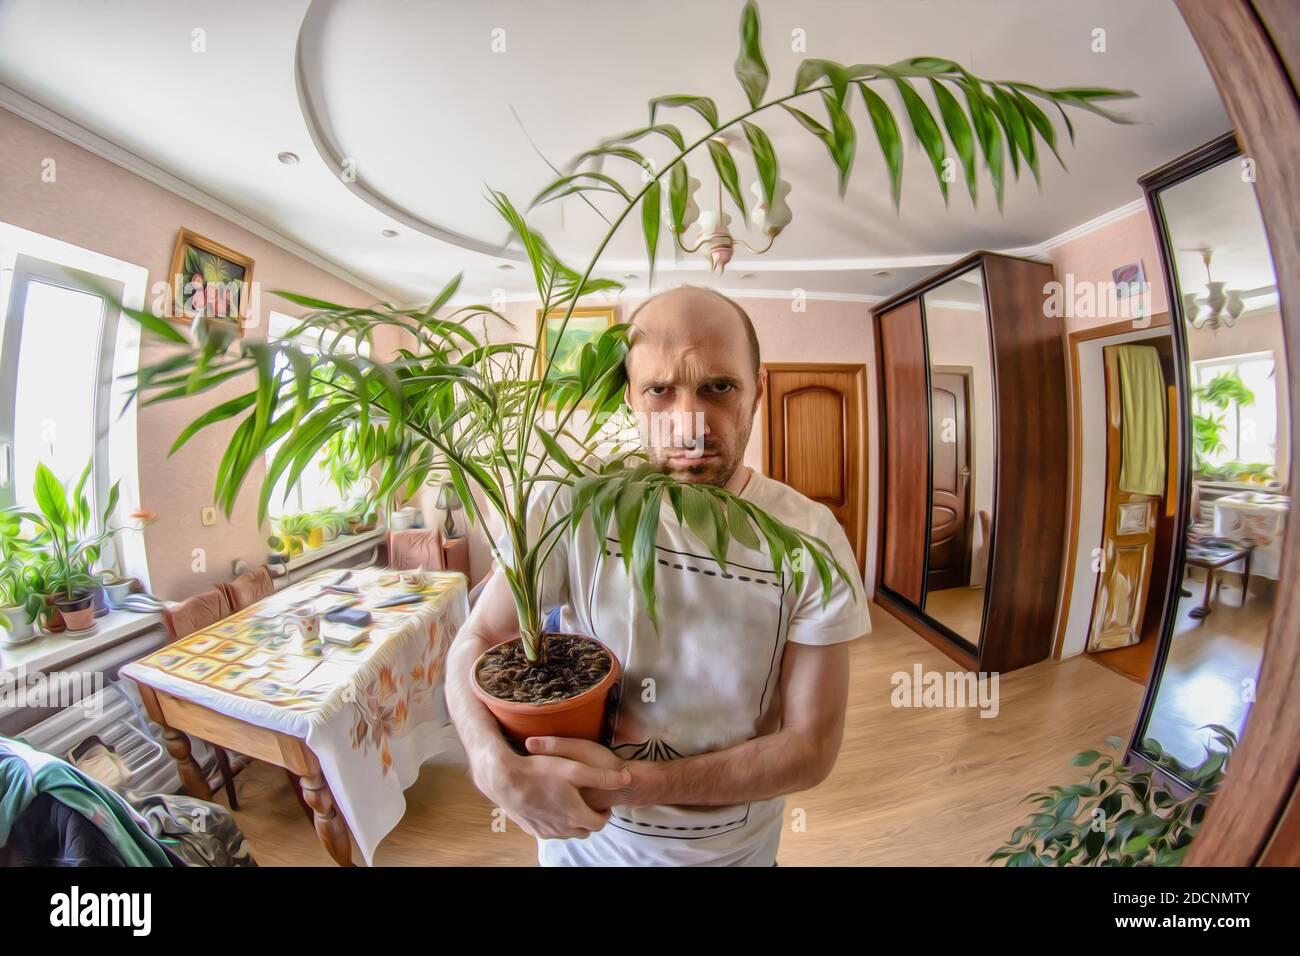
(692, 386)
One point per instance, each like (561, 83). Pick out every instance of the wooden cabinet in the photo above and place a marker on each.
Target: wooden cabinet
(975, 460)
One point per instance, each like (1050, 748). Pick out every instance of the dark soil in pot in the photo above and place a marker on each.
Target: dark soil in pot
(573, 664)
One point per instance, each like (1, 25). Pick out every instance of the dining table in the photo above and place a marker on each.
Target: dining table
(350, 714)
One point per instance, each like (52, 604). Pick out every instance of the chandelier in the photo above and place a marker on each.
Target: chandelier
(1223, 306)
(716, 240)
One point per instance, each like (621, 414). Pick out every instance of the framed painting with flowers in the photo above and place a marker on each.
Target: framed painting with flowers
(210, 280)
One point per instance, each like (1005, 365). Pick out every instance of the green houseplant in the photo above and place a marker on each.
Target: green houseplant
(1224, 392)
(70, 540)
(1120, 815)
(476, 412)
(18, 609)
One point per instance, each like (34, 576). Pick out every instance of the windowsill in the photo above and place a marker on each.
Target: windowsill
(1236, 486)
(54, 651)
(345, 545)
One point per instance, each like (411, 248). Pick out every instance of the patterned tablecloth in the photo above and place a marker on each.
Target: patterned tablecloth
(372, 713)
(1260, 519)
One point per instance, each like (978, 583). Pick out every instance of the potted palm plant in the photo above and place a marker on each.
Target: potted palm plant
(476, 411)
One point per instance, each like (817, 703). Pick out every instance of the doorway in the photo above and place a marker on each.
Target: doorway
(949, 565)
(1137, 532)
(815, 439)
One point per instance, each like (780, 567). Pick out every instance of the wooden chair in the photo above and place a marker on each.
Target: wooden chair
(416, 548)
(194, 614)
(249, 588)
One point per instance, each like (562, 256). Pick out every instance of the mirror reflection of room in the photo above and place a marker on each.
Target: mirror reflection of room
(962, 453)
(1239, 421)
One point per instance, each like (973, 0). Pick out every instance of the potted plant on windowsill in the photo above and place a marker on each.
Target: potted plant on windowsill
(476, 411)
(18, 609)
(70, 541)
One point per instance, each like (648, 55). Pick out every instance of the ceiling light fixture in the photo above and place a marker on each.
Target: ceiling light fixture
(716, 240)
(389, 233)
(506, 267)
(1225, 305)
(288, 158)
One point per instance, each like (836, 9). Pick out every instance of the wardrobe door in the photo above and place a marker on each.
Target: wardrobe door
(906, 413)
(1032, 464)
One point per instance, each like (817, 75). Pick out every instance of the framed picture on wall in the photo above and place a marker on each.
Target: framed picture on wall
(209, 280)
(1129, 280)
(585, 325)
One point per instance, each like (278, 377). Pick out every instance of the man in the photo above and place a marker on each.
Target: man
(738, 697)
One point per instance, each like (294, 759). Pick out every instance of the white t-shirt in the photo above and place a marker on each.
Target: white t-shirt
(708, 679)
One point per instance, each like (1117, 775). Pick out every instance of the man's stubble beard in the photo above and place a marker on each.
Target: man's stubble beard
(708, 473)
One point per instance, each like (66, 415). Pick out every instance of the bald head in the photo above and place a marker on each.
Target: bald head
(694, 380)
(669, 313)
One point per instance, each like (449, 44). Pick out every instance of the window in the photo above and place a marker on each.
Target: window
(314, 490)
(65, 367)
(57, 376)
(1247, 433)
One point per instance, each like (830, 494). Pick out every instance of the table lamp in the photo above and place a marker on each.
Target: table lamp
(449, 502)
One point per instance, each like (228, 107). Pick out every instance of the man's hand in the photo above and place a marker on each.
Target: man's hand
(547, 795)
(542, 793)
(591, 754)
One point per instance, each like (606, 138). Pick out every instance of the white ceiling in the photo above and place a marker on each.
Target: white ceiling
(414, 95)
(1217, 210)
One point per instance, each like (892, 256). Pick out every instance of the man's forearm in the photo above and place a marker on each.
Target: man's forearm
(477, 728)
(769, 766)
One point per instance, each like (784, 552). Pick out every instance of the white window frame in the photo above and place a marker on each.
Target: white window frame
(25, 256)
(1234, 362)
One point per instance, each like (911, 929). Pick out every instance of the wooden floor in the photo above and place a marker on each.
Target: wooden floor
(912, 787)
(1208, 661)
(961, 610)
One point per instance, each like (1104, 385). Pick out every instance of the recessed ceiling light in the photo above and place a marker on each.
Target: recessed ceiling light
(882, 273)
(288, 158)
(389, 233)
(747, 275)
(630, 275)
(506, 267)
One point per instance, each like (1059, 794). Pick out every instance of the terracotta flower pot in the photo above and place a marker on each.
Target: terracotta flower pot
(79, 612)
(588, 716)
(51, 619)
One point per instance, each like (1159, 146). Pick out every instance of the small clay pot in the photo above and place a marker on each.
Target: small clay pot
(587, 716)
(78, 613)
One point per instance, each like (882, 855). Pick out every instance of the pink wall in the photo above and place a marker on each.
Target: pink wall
(100, 206)
(1093, 256)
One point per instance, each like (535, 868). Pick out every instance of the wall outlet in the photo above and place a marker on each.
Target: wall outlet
(208, 516)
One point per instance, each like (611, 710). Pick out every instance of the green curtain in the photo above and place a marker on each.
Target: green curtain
(1143, 429)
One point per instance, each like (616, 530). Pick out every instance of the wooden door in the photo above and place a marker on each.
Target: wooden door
(1128, 538)
(815, 439)
(905, 455)
(950, 473)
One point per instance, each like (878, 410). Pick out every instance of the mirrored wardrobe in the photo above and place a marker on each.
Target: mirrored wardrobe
(1234, 487)
(974, 457)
